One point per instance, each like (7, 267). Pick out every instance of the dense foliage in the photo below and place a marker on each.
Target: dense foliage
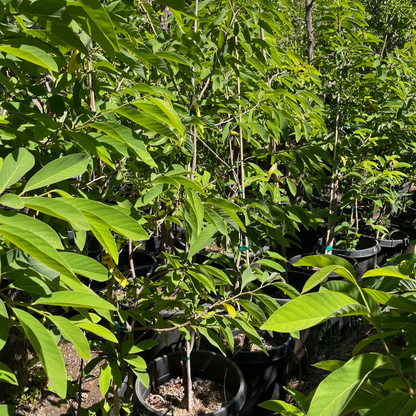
(123, 120)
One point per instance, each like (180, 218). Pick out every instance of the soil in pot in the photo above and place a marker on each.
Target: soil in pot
(205, 365)
(208, 397)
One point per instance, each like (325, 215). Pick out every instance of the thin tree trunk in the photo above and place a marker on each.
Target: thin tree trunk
(309, 30)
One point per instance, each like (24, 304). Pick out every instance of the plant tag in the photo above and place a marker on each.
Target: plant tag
(109, 263)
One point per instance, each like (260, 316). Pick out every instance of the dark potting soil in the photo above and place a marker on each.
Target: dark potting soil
(208, 397)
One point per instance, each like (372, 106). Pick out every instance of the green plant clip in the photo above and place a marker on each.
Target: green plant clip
(121, 328)
(328, 248)
(244, 248)
(185, 358)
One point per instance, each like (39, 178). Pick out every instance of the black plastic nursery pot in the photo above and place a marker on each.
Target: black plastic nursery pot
(365, 254)
(265, 374)
(395, 246)
(204, 364)
(406, 222)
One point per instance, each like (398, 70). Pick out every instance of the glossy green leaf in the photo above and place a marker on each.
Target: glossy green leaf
(55, 207)
(40, 249)
(72, 334)
(116, 220)
(312, 309)
(44, 345)
(253, 310)
(213, 338)
(86, 266)
(29, 53)
(58, 170)
(31, 282)
(76, 300)
(99, 15)
(172, 115)
(204, 239)
(125, 135)
(409, 408)
(336, 390)
(4, 324)
(7, 375)
(390, 405)
(98, 330)
(15, 165)
(327, 260)
(146, 121)
(392, 271)
(7, 410)
(138, 365)
(104, 378)
(329, 365)
(281, 407)
(24, 222)
(396, 301)
(247, 277)
(103, 235)
(12, 201)
(179, 5)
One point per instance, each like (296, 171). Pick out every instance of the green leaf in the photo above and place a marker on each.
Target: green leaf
(147, 121)
(172, 115)
(125, 135)
(392, 300)
(29, 53)
(44, 345)
(206, 281)
(98, 330)
(116, 220)
(99, 15)
(138, 365)
(329, 365)
(58, 170)
(179, 5)
(103, 235)
(150, 195)
(292, 186)
(15, 165)
(41, 250)
(7, 375)
(104, 378)
(327, 260)
(247, 277)
(76, 300)
(253, 310)
(31, 282)
(73, 334)
(336, 390)
(24, 222)
(55, 207)
(281, 407)
(4, 325)
(86, 266)
(7, 409)
(213, 338)
(409, 408)
(12, 201)
(204, 239)
(392, 271)
(312, 309)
